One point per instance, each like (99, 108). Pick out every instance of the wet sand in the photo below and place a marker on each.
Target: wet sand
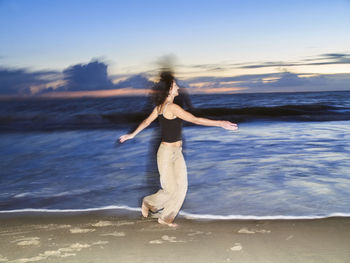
(93, 237)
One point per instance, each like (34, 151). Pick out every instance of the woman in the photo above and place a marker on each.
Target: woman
(170, 161)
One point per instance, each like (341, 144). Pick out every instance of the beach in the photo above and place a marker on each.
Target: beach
(105, 237)
(277, 190)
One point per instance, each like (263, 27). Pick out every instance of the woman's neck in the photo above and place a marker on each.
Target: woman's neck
(169, 99)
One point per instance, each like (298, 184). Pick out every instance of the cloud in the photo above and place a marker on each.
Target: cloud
(213, 67)
(287, 79)
(91, 76)
(248, 77)
(138, 81)
(80, 77)
(21, 81)
(274, 82)
(331, 58)
(323, 59)
(94, 76)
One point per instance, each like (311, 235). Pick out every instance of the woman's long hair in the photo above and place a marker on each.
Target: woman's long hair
(162, 88)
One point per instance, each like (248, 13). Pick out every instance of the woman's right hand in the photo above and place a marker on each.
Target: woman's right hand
(227, 125)
(125, 137)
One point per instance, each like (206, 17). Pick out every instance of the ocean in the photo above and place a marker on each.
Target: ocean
(290, 157)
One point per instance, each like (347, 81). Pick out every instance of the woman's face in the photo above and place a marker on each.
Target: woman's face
(174, 90)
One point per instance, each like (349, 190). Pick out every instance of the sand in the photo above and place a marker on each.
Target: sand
(93, 237)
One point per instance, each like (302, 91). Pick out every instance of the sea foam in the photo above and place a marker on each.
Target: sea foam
(182, 214)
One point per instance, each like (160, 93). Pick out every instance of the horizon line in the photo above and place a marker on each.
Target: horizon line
(144, 94)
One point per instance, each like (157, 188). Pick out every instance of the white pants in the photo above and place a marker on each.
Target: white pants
(173, 180)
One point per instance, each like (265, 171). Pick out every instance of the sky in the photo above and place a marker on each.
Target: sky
(116, 47)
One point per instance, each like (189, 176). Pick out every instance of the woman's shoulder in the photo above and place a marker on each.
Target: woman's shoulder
(173, 107)
(168, 107)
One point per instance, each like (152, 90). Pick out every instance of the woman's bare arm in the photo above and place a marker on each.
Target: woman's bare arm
(182, 114)
(145, 123)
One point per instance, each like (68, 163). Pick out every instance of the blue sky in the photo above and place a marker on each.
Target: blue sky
(215, 40)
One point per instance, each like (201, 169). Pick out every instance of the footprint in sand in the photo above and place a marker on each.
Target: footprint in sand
(253, 231)
(166, 238)
(3, 259)
(172, 239)
(245, 231)
(263, 231)
(102, 224)
(100, 242)
(115, 234)
(124, 223)
(289, 237)
(237, 247)
(198, 233)
(156, 242)
(195, 233)
(61, 252)
(51, 226)
(27, 241)
(63, 226)
(77, 230)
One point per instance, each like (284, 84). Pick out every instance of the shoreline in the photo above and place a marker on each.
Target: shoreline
(122, 211)
(96, 237)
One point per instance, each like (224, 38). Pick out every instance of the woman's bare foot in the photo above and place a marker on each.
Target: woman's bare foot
(144, 210)
(160, 221)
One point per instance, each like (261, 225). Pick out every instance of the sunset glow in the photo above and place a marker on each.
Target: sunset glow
(110, 48)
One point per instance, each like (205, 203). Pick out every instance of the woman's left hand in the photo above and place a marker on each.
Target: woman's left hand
(125, 137)
(229, 125)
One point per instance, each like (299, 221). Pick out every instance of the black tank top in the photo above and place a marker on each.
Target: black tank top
(170, 128)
